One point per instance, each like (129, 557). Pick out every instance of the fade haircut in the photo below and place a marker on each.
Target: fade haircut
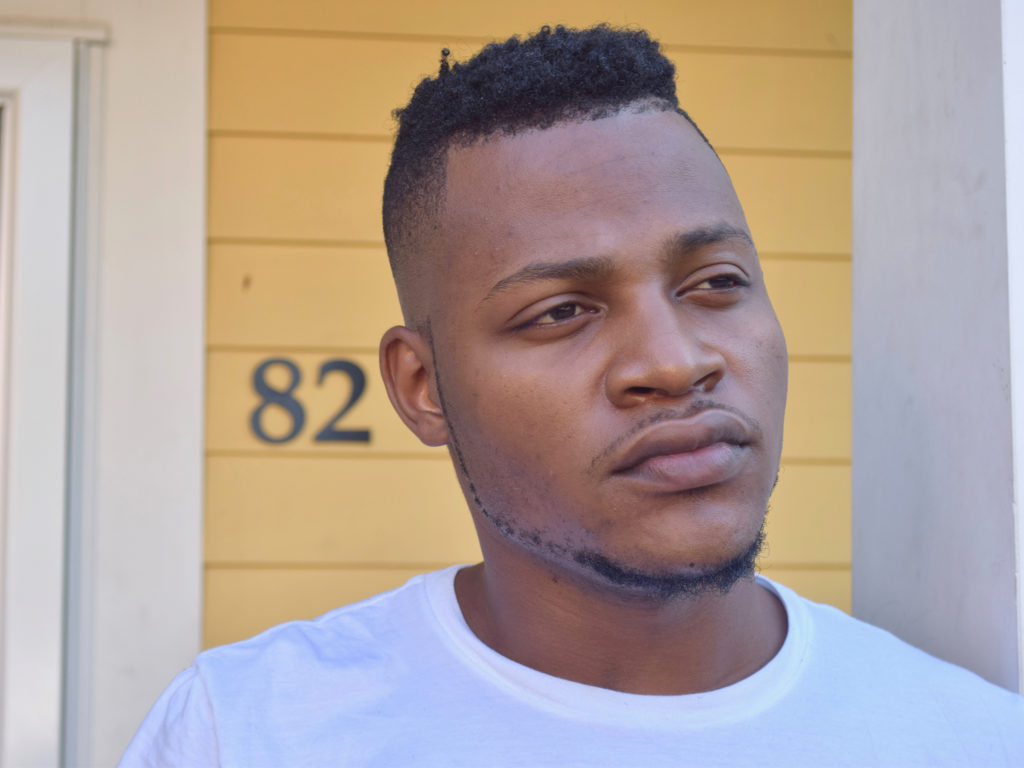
(556, 75)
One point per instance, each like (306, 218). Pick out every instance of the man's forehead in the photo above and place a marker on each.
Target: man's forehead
(572, 146)
(508, 189)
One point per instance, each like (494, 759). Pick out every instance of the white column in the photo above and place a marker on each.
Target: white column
(1013, 111)
(935, 557)
(141, 374)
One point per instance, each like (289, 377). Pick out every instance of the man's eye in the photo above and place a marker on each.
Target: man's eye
(557, 314)
(721, 283)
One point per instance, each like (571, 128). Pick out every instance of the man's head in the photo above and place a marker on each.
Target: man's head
(591, 335)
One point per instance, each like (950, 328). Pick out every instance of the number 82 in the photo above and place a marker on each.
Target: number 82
(284, 398)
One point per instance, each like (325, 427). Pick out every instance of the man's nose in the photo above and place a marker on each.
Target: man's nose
(660, 354)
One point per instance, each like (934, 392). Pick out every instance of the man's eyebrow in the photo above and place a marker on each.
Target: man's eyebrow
(595, 267)
(692, 240)
(572, 269)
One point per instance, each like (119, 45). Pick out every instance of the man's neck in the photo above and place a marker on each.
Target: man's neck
(580, 632)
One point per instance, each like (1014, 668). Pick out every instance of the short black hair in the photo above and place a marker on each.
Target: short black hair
(553, 76)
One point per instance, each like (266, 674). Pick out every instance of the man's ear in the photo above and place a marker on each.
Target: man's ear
(407, 366)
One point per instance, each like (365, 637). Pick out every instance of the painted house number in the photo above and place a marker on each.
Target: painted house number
(284, 398)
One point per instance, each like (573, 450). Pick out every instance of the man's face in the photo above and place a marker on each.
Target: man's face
(611, 370)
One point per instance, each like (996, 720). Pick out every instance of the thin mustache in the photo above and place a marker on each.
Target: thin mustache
(697, 406)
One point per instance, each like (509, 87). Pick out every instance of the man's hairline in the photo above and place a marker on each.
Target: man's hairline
(435, 183)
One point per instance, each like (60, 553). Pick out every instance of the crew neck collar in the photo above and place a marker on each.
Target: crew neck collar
(743, 699)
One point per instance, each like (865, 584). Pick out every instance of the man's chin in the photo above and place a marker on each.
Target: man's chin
(667, 585)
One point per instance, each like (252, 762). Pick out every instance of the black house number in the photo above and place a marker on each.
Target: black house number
(271, 397)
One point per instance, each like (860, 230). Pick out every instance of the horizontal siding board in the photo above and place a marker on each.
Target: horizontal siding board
(735, 100)
(280, 296)
(812, 300)
(296, 189)
(817, 25)
(314, 84)
(315, 296)
(818, 411)
(817, 417)
(260, 510)
(795, 204)
(336, 510)
(331, 190)
(809, 517)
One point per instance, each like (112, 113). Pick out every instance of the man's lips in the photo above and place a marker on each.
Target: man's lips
(683, 454)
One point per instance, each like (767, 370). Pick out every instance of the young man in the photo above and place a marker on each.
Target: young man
(587, 330)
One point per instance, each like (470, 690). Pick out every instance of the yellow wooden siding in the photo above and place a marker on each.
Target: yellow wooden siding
(319, 510)
(297, 537)
(800, 25)
(367, 511)
(819, 393)
(809, 517)
(314, 83)
(300, 296)
(801, 289)
(305, 296)
(299, 189)
(299, 138)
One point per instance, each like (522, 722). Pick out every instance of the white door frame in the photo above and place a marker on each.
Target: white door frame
(37, 82)
(134, 406)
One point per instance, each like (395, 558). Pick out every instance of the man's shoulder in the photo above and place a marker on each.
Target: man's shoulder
(360, 635)
(871, 664)
(283, 696)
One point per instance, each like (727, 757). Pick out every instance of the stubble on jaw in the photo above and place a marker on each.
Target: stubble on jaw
(689, 581)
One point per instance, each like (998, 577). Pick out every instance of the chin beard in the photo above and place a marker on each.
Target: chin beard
(665, 586)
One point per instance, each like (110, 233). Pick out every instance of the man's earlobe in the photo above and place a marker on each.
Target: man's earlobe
(407, 366)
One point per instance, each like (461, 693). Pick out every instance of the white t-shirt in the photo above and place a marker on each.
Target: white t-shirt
(401, 680)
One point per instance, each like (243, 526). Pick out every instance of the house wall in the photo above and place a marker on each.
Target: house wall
(299, 138)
